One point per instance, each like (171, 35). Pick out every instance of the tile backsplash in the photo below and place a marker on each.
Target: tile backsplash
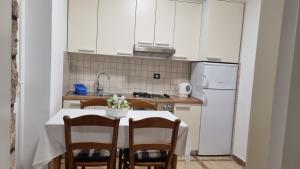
(128, 74)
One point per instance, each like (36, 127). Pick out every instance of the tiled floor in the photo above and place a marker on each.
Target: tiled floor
(201, 163)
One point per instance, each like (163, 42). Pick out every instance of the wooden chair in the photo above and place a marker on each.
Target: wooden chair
(142, 105)
(104, 154)
(93, 102)
(162, 154)
(136, 105)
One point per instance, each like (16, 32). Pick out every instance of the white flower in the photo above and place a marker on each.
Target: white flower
(122, 98)
(118, 102)
(115, 98)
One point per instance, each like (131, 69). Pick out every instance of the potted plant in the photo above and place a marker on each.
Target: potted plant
(117, 106)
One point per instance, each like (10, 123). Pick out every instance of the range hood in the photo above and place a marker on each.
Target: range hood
(153, 51)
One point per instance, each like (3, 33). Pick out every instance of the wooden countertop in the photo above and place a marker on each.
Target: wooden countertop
(173, 99)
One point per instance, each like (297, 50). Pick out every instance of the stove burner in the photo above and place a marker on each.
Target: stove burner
(151, 96)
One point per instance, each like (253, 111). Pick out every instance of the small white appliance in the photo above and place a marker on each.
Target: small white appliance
(215, 84)
(184, 89)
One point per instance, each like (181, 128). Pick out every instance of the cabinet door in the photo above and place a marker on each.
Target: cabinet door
(82, 26)
(191, 115)
(222, 31)
(164, 26)
(71, 104)
(187, 30)
(145, 21)
(116, 27)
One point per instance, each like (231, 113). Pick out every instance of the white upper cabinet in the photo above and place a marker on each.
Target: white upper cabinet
(221, 31)
(82, 26)
(164, 26)
(155, 22)
(145, 21)
(187, 30)
(116, 21)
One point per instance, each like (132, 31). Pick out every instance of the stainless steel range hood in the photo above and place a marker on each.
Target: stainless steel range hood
(153, 51)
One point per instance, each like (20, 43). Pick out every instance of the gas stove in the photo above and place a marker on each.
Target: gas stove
(162, 106)
(150, 96)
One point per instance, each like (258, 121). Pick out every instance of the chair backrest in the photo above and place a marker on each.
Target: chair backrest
(91, 120)
(93, 102)
(153, 123)
(142, 105)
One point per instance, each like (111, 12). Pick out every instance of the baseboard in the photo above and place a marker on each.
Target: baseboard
(238, 160)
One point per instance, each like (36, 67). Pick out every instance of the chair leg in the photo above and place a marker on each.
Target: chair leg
(82, 167)
(120, 159)
(125, 165)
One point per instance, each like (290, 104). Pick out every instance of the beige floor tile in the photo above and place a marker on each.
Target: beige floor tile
(221, 165)
(213, 158)
(198, 163)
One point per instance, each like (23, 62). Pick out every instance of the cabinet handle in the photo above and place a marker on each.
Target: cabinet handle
(189, 1)
(214, 59)
(145, 43)
(162, 44)
(86, 50)
(179, 58)
(124, 54)
(205, 82)
(183, 108)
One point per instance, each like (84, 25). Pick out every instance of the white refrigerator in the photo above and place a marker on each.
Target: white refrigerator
(215, 84)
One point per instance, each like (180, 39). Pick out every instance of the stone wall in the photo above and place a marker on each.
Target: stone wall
(14, 80)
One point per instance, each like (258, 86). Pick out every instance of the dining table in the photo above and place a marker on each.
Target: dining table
(51, 145)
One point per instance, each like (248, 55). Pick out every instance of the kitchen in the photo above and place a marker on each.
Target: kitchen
(33, 41)
(160, 51)
(154, 57)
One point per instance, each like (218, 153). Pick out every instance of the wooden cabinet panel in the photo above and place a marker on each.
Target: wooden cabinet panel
(71, 104)
(145, 21)
(82, 26)
(116, 27)
(221, 32)
(191, 115)
(164, 26)
(187, 30)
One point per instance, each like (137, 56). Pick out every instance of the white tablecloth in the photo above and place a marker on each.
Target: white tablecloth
(52, 141)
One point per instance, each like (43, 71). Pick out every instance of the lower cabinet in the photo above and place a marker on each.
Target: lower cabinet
(191, 115)
(71, 104)
(75, 104)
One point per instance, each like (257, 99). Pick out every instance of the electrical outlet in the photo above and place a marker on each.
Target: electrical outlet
(156, 76)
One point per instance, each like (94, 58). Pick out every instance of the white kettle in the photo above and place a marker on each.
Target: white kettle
(184, 89)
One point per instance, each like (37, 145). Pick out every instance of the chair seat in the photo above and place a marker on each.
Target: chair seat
(148, 155)
(91, 155)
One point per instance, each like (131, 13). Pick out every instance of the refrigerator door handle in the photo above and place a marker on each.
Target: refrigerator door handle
(205, 82)
(204, 98)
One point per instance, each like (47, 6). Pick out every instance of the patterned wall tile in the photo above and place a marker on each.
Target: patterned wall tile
(128, 74)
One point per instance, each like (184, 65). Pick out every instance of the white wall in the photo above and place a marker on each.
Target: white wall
(44, 37)
(247, 64)
(5, 55)
(59, 44)
(283, 81)
(291, 147)
(269, 70)
(37, 64)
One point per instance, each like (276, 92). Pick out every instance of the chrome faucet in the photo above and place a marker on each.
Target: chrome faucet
(99, 86)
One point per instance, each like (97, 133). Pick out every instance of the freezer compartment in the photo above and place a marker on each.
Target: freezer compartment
(219, 76)
(217, 122)
(207, 75)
